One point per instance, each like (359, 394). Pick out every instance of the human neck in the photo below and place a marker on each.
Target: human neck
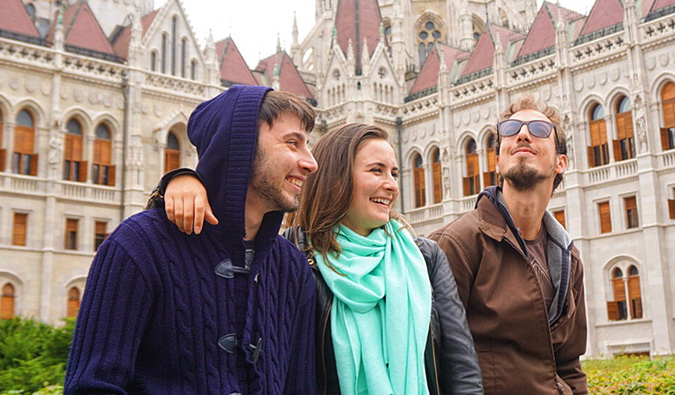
(527, 207)
(253, 216)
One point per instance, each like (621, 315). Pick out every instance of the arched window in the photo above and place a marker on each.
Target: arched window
(471, 181)
(183, 54)
(437, 173)
(627, 303)
(153, 61)
(427, 35)
(193, 70)
(165, 42)
(3, 151)
(24, 160)
(171, 153)
(418, 179)
(103, 172)
(7, 302)
(490, 176)
(668, 104)
(598, 151)
(74, 169)
(73, 302)
(174, 34)
(624, 145)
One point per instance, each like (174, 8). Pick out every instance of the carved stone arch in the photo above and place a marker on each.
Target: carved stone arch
(657, 85)
(410, 155)
(176, 117)
(623, 262)
(462, 140)
(429, 150)
(433, 17)
(483, 135)
(5, 108)
(613, 96)
(80, 114)
(587, 103)
(8, 277)
(77, 282)
(40, 117)
(113, 124)
(477, 24)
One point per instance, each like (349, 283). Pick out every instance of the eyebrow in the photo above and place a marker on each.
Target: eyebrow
(381, 164)
(297, 135)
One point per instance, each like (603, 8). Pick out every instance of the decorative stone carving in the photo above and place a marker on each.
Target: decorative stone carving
(55, 150)
(14, 83)
(602, 79)
(78, 95)
(614, 74)
(30, 86)
(650, 62)
(664, 59)
(447, 183)
(640, 123)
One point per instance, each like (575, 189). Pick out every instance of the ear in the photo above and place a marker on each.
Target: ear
(561, 164)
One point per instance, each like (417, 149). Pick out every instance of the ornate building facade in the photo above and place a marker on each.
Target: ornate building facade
(95, 97)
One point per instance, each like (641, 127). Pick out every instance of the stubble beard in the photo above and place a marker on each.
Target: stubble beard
(262, 183)
(525, 178)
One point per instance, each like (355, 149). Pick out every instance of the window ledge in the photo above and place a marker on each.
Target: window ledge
(623, 322)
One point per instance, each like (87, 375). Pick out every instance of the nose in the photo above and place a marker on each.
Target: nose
(307, 162)
(391, 184)
(524, 134)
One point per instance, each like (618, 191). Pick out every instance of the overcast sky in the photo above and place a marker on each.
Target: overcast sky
(255, 24)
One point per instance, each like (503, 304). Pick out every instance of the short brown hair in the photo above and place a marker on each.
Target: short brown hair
(327, 193)
(527, 102)
(276, 103)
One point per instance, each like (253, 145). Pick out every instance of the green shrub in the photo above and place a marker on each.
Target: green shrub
(631, 375)
(33, 355)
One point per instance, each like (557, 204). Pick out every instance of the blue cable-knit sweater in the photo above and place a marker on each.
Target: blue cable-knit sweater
(158, 315)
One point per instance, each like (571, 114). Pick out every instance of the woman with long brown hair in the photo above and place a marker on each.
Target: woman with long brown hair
(389, 319)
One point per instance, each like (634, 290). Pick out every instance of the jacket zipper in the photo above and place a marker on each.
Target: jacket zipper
(323, 348)
(433, 353)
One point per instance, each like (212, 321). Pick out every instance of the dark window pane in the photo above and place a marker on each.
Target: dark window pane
(74, 127)
(437, 34)
(104, 177)
(25, 165)
(76, 171)
(66, 170)
(429, 25)
(24, 119)
(16, 160)
(424, 35)
(95, 169)
(102, 132)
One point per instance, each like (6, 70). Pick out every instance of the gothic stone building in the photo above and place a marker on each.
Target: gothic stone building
(95, 97)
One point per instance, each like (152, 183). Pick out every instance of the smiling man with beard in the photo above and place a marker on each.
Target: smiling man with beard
(225, 311)
(518, 273)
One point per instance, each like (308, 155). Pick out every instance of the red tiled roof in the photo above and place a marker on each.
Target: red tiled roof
(81, 29)
(542, 33)
(349, 27)
(658, 4)
(646, 5)
(428, 76)
(604, 13)
(121, 44)
(289, 77)
(233, 67)
(14, 18)
(484, 53)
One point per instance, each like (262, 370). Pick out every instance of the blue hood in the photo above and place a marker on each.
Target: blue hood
(225, 132)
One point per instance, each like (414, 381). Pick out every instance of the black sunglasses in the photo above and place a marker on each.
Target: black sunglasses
(511, 127)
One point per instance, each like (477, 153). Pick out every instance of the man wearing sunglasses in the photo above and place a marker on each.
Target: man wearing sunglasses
(518, 274)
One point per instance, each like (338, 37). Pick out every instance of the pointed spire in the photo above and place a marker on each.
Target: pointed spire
(134, 52)
(443, 67)
(275, 78)
(212, 62)
(278, 43)
(58, 32)
(350, 51)
(295, 29)
(365, 57)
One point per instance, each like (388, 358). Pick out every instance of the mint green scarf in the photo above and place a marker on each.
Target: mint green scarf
(381, 311)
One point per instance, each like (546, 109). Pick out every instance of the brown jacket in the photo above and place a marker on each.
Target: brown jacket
(519, 350)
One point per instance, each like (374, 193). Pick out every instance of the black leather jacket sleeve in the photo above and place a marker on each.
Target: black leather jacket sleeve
(156, 199)
(459, 369)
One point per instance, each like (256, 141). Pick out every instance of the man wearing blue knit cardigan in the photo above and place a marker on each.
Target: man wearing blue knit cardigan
(230, 310)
